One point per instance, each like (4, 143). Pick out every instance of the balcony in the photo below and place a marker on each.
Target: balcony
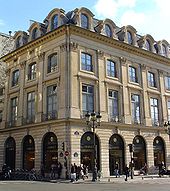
(28, 120)
(11, 123)
(49, 116)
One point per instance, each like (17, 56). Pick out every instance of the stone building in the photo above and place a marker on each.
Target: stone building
(73, 63)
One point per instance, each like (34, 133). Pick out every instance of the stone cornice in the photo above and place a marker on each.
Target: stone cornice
(118, 44)
(33, 44)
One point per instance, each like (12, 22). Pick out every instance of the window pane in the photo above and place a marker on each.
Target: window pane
(84, 21)
(108, 31)
(54, 22)
(86, 62)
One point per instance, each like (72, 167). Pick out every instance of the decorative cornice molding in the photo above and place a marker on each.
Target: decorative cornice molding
(22, 65)
(41, 56)
(63, 47)
(123, 60)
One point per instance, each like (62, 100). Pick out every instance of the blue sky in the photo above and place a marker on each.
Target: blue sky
(146, 16)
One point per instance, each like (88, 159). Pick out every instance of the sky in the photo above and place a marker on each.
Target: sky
(146, 16)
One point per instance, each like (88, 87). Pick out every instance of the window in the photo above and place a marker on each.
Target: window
(54, 22)
(154, 111)
(148, 45)
(87, 98)
(111, 68)
(133, 74)
(86, 62)
(0, 116)
(164, 52)
(32, 71)
(113, 104)
(18, 42)
(135, 104)
(31, 106)
(14, 110)
(167, 82)
(15, 77)
(151, 79)
(168, 110)
(35, 33)
(129, 36)
(52, 63)
(108, 31)
(84, 21)
(52, 101)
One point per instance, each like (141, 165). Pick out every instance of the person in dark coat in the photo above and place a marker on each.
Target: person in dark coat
(126, 172)
(59, 165)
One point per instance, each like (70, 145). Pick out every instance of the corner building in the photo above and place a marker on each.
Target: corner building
(73, 63)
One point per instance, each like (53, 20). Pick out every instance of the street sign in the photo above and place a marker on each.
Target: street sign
(66, 153)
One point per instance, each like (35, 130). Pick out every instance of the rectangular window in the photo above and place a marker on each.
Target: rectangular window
(111, 68)
(52, 102)
(168, 110)
(135, 104)
(32, 71)
(15, 78)
(151, 79)
(52, 63)
(31, 107)
(113, 104)
(167, 82)
(133, 74)
(86, 62)
(14, 110)
(87, 98)
(154, 111)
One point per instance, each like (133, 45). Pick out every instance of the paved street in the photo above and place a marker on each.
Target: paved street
(137, 184)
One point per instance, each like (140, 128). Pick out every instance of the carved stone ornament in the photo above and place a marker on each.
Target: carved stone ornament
(73, 46)
(123, 60)
(41, 56)
(100, 53)
(7, 71)
(22, 65)
(63, 47)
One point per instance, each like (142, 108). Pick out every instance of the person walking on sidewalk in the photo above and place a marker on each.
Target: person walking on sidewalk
(126, 172)
(117, 170)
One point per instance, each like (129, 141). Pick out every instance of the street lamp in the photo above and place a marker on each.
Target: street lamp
(93, 120)
(167, 126)
(131, 149)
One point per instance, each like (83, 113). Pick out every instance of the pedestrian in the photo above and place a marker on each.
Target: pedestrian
(73, 173)
(126, 172)
(117, 170)
(59, 169)
(53, 170)
(42, 170)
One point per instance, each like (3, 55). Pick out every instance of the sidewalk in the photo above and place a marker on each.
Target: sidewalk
(112, 180)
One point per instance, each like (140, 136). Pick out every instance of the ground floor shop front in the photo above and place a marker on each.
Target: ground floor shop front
(28, 148)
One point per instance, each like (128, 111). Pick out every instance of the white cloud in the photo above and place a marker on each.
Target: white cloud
(147, 17)
(132, 18)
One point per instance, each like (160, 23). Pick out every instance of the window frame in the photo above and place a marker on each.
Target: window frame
(84, 23)
(129, 37)
(32, 71)
(108, 30)
(15, 77)
(88, 96)
(113, 104)
(13, 109)
(111, 68)
(151, 79)
(54, 22)
(52, 67)
(31, 103)
(135, 118)
(167, 83)
(52, 99)
(155, 116)
(87, 65)
(133, 74)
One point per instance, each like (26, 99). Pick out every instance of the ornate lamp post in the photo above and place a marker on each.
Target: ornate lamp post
(93, 120)
(167, 126)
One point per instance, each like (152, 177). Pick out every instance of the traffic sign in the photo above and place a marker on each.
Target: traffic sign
(66, 153)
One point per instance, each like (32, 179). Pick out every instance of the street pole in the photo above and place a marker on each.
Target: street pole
(94, 149)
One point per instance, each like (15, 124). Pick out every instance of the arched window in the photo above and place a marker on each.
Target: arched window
(148, 45)
(108, 31)
(164, 51)
(18, 42)
(130, 39)
(84, 21)
(54, 22)
(35, 33)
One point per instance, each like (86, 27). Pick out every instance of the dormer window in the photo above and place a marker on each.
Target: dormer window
(148, 45)
(164, 52)
(108, 31)
(18, 42)
(54, 22)
(84, 21)
(35, 33)
(129, 38)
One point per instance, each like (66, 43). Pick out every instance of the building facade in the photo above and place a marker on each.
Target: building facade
(73, 63)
